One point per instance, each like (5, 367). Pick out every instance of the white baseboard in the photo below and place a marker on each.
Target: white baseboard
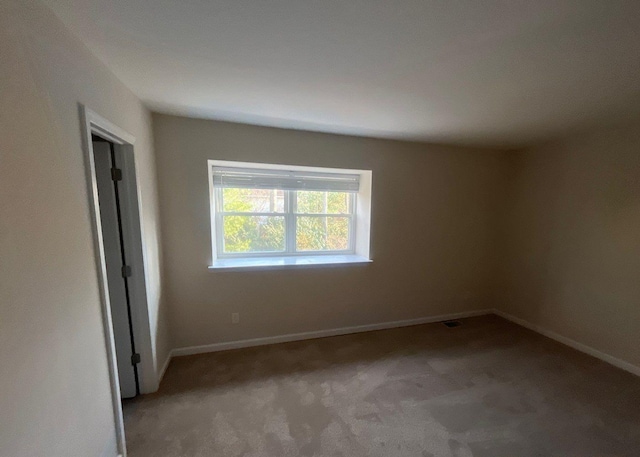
(320, 333)
(216, 347)
(616, 362)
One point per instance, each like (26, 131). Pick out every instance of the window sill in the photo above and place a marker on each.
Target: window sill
(288, 262)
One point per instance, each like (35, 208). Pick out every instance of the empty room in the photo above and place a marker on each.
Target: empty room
(319, 228)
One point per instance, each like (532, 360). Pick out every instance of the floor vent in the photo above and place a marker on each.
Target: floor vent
(452, 324)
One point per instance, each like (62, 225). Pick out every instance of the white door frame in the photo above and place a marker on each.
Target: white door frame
(92, 123)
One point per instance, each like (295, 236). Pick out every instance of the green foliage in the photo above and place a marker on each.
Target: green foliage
(322, 233)
(252, 233)
(237, 200)
(323, 202)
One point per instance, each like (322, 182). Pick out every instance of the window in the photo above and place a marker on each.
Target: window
(276, 212)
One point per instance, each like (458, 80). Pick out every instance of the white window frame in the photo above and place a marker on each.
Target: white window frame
(290, 215)
(359, 222)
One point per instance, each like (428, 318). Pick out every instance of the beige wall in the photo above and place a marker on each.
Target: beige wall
(432, 237)
(573, 244)
(569, 235)
(55, 388)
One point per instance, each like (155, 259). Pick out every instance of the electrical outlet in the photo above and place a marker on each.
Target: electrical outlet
(235, 318)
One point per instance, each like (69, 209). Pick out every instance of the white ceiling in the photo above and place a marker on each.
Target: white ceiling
(484, 72)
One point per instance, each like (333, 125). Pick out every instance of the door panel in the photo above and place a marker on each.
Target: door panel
(118, 295)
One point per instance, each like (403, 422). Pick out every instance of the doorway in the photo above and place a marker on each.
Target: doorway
(119, 253)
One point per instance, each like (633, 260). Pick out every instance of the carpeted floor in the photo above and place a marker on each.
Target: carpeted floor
(485, 389)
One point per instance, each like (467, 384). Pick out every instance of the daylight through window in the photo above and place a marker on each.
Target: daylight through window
(281, 212)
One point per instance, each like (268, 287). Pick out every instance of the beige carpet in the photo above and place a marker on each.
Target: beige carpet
(485, 389)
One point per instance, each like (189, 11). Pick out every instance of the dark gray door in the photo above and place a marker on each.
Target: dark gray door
(108, 196)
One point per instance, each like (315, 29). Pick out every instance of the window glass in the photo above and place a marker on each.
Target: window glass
(312, 202)
(320, 233)
(253, 200)
(273, 212)
(253, 234)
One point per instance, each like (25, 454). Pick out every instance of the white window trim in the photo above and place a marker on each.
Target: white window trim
(358, 249)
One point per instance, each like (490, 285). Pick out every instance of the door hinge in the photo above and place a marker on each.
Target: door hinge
(135, 359)
(116, 174)
(126, 271)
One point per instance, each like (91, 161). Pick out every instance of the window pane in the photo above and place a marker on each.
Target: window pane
(253, 233)
(322, 233)
(323, 202)
(253, 200)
